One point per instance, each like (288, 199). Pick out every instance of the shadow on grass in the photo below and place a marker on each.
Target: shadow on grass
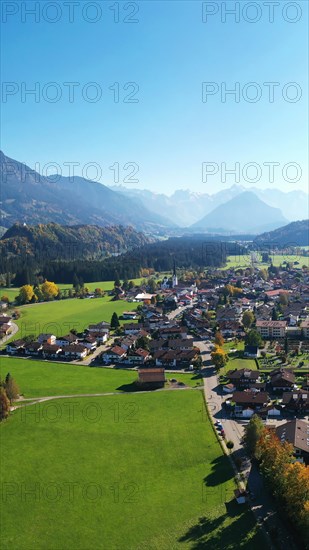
(220, 473)
(132, 387)
(220, 533)
(136, 387)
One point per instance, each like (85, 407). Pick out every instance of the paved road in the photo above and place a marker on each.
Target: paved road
(263, 506)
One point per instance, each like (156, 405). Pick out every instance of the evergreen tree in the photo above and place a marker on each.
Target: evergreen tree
(114, 321)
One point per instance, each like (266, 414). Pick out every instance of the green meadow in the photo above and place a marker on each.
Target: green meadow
(42, 378)
(104, 285)
(277, 259)
(59, 317)
(132, 472)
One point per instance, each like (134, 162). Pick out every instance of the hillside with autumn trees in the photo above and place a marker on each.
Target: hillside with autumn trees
(47, 242)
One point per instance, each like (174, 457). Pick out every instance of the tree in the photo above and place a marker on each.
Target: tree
(219, 358)
(4, 404)
(117, 282)
(25, 295)
(253, 432)
(125, 285)
(114, 321)
(274, 315)
(219, 340)
(230, 445)
(131, 285)
(142, 342)
(11, 388)
(248, 319)
(5, 299)
(152, 285)
(283, 299)
(49, 290)
(253, 338)
(264, 274)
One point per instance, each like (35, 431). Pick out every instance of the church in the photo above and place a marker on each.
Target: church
(170, 282)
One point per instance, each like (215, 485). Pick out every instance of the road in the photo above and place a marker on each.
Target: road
(262, 505)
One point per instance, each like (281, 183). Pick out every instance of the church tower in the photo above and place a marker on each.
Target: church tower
(174, 278)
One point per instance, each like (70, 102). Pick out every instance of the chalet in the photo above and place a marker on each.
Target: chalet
(128, 342)
(296, 401)
(142, 296)
(152, 377)
(5, 320)
(129, 315)
(165, 358)
(180, 344)
(33, 348)
(13, 348)
(75, 351)
(5, 329)
(270, 411)
(282, 379)
(248, 401)
(138, 357)
(132, 328)
(271, 329)
(47, 339)
(100, 328)
(175, 358)
(114, 355)
(174, 331)
(66, 340)
(88, 342)
(100, 337)
(243, 378)
(51, 351)
(296, 432)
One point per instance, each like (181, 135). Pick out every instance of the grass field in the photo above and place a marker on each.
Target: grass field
(60, 316)
(277, 259)
(41, 378)
(131, 472)
(104, 285)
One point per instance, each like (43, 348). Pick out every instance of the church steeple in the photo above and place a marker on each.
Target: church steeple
(174, 278)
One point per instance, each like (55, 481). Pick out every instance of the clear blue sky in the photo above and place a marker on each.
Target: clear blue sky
(169, 52)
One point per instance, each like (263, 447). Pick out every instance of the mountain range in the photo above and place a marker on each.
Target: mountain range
(293, 234)
(245, 211)
(185, 207)
(28, 197)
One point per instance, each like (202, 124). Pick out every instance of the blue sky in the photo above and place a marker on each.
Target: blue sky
(168, 53)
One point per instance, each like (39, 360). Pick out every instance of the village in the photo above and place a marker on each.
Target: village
(246, 334)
